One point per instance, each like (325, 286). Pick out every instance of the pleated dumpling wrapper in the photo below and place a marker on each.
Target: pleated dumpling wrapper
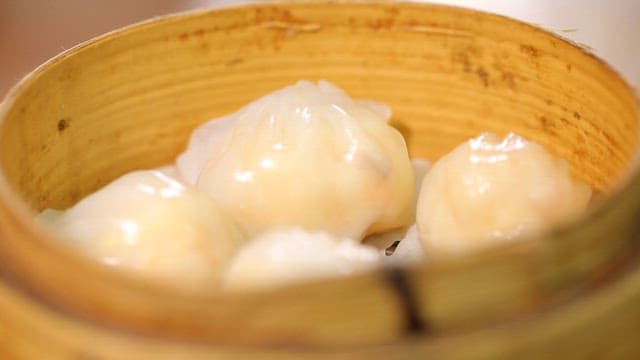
(150, 223)
(491, 189)
(291, 255)
(306, 155)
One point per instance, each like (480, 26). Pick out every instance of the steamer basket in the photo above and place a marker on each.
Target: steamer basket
(129, 100)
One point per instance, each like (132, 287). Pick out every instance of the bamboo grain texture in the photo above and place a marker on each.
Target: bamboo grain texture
(129, 100)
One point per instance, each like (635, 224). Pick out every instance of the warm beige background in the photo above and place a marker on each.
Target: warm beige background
(32, 31)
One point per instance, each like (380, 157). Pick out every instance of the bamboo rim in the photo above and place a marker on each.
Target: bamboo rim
(410, 286)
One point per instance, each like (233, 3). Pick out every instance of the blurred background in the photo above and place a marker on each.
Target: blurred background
(32, 31)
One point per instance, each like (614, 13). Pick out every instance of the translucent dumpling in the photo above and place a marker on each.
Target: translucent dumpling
(306, 155)
(151, 223)
(490, 189)
(402, 246)
(290, 255)
(420, 169)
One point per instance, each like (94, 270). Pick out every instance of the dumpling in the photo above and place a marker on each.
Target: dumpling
(289, 255)
(170, 171)
(420, 168)
(306, 155)
(402, 246)
(490, 189)
(148, 222)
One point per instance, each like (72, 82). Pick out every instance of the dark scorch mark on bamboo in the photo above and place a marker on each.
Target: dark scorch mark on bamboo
(399, 282)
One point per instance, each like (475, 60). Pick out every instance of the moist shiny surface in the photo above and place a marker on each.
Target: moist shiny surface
(309, 156)
(490, 189)
(148, 222)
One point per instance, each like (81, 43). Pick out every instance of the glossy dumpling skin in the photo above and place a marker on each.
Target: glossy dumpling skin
(306, 155)
(491, 189)
(150, 223)
(291, 255)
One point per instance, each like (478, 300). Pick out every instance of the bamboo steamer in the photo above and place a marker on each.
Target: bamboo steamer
(129, 100)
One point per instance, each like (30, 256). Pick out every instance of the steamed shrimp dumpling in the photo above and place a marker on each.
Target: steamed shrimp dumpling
(150, 223)
(290, 255)
(306, 155)
(490, 189)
